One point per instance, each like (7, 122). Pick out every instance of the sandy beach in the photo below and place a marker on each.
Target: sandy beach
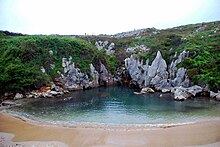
(17, 131)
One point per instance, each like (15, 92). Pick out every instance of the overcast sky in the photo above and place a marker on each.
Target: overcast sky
(102, 16)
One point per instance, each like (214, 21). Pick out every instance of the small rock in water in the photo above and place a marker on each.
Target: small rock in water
(147, 90)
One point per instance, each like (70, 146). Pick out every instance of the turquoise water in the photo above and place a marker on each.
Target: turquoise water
(118, 105)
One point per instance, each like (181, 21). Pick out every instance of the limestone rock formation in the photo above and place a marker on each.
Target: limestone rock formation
(173, 68)
(144, 74)
(156, 75)
(104, 75)
(95, 76)
(109, 48)
(145, 90)
(181, 93)
(215, 95)
(139, 48)
(72, 78)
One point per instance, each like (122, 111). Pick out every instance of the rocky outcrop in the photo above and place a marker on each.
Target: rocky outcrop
(109, 48)
(95, 76)
(139, 48)
(172, 68)
(56, 89)
(145, 74)
(104, 75)
(145, 90)
(73, 78)
(181, 93)
(156, 75)
(215, 95)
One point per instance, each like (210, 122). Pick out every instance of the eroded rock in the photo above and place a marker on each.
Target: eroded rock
(104, 75)
(95, 76)
(18, 96)
(181, 93)
(100, 45)
(145, 90)
(215, 95)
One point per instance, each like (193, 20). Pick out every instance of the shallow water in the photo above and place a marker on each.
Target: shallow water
(117, 105)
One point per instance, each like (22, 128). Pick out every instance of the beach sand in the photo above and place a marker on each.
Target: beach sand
(205, 133)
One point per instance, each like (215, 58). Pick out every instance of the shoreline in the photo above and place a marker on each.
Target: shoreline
(198, 133)
(32, 120)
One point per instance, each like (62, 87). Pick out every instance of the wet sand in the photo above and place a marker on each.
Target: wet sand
(201, 133)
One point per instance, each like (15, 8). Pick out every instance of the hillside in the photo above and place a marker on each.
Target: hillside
(30, 62)
(201, 40)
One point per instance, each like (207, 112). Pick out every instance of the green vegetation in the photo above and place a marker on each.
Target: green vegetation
(22, 58)
(203, 66)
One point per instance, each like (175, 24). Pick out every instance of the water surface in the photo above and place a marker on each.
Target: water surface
(118, 105)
